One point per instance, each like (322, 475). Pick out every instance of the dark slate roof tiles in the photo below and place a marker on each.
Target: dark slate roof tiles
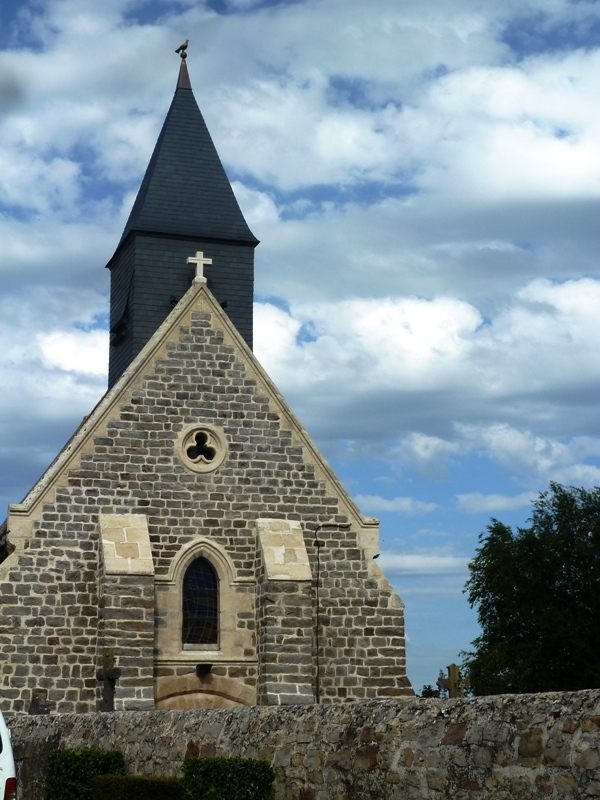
(185, 191)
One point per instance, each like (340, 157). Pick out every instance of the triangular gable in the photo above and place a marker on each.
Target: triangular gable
(198, 299)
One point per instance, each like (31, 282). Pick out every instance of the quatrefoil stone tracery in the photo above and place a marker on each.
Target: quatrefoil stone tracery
(202, 448)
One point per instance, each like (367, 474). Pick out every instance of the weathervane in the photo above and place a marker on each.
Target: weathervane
(183, 48)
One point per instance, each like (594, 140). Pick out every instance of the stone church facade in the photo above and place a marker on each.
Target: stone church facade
(189, 547)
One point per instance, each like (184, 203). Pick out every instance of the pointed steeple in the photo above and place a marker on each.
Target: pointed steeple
(185, 204)
(183, 81)
(185, 190)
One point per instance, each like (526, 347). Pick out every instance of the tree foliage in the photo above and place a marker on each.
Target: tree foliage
(429, 691)
(537, 593)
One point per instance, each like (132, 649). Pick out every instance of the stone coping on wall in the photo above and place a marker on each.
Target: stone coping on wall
(283, 550)
(510, 747)
(126, 548)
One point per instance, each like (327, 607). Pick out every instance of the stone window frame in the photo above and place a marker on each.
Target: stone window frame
(223, 566)
(216, 439)
(236, 593)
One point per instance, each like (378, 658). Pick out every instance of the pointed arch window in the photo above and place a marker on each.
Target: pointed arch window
(200, 604)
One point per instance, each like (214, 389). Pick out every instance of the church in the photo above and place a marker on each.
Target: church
(189, 547)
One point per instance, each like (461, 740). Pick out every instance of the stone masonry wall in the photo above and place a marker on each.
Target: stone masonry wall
(509, 747)
(198, 372)
(286, 626)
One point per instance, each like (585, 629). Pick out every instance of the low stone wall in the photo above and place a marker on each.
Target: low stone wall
(507, 748)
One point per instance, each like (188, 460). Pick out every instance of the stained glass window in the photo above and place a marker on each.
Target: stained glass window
(200, 604)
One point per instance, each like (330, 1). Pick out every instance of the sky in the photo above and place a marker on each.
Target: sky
(424, 178)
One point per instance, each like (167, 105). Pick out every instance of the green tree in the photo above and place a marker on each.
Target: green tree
(429, 691)
(537, 593)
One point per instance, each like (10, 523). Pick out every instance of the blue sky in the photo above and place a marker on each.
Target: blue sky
(425, 182)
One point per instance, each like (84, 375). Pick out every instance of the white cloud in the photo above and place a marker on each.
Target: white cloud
(548, 339)
(477, 503)
(506, 132)
(520, 450)
(424, 452)
(405, 505)
(539, 354)
(46, 251)
(537, 458)
(422, 564)
(83, 352)
(57, 182)
(390, 342)
(499, 132)
(578, 475)
(275, 333)
(259, 207)
(291, 126)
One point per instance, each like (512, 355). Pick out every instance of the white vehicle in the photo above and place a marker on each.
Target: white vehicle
(8, 776)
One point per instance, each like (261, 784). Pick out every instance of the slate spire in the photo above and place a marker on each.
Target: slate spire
(183, 81)
(185, 204)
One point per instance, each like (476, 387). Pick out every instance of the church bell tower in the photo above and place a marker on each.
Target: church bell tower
(185, 222)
